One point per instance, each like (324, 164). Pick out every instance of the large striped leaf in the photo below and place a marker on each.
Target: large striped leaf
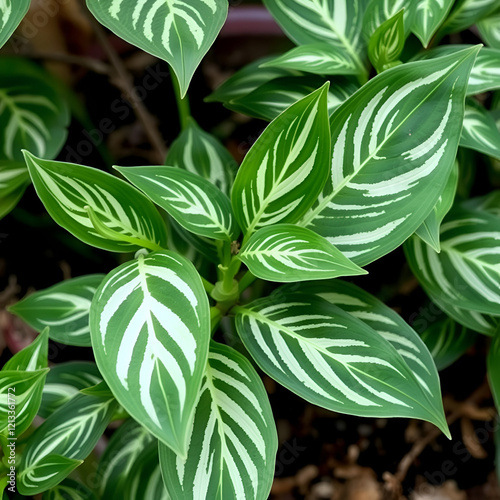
(428, 17)
(467, 271)
(33, 114)
(177, 31)
(467, 12)
(233, 439)
(285, 253)
(150, 328)
(69, 489)
(63, 307)
(394, 145)
(126, 219)
(11, 14)
(197, 151)
(32, 357)
(489, 28)
(71, 432)
(194, 202)
(377, 12)
(336, 22)
(332, 359)
(286, 168)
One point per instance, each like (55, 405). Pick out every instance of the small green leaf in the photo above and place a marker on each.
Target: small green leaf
(14, 179)
(67, 189)
(69, 489)
(10, 201)
(287, 253)
(233, 440)
(194, 202)
(378, 12)
(64, 308)
(286, 168)
(32, 357)
(11, 14)
(429, 15)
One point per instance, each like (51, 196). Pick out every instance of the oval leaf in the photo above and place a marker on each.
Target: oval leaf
(428, 17)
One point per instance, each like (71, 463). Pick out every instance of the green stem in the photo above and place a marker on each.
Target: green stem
(182, 102)
(215, 318)
(246, 281)
(207, 285)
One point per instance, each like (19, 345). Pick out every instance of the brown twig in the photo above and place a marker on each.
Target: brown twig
(85, 62)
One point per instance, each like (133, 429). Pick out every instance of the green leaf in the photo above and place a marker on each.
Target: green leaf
(33, 113)
(233, 441)
(394, 144)
(72, 431)
(32, 357)
(150, 328)
(447, 341)
(489, 29)
(465, 13)
(194, 202)
(64, 381)
(63, 307)
(317, 58)
(271, 99)
(286, 168)
(20, 396)
(311, 21)
(14, 178)
(489, 203)
(201, 153)
(9, 201)
(467, 271)
(66, 189)
(286, 253)
(493, 361)
(332, 359)
(176, 31)
(480, 131)
(69, 489)
(428, 231)
(387, 42)
(428, 17)
(11, 14)
(378, 12)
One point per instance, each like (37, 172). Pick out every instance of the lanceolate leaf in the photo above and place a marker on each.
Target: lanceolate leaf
(286, 168)
(63, 307)
(33, 115)
(69, 489)
(233, 440)
(176, 31)
(429, 230)
(480, 131)
(150, 327)
(466, 13)
(66, 189)
(194, 202)
(428, 16)
(284, 253)
(331, 358)
(394, 145)
(378, 12)
(466, 273)
(201, 153)
(489, 28)
(11, 14)
(32, 357)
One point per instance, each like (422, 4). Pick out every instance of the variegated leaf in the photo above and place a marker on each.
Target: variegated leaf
(72, 431)
(489, 28)
(428, 17)
(33, 357)
(286, 253)
(233, 440)
(286, 168)
(480, 131)
(177, 31)
(332, 359)
(150, 329)
(64, 381)
(394, 145)
(63, 307)
(271, 99)
(336, 22)
(447, 341)
(465, 13)
(317, 58)
(11, 14)
(201, 153)
(9, 201)
(33, 113)
(429, 230)
(69, 489)
(489, 203)
(127, 220)
(194, 202)
(466, 273)
(377, 12)
(13, 175)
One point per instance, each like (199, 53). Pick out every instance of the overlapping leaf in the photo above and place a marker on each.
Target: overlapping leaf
(194, 202)
(332, 359)
(233, 440)
(378, 12)
(69, 489)
(286, 168)
(489, 28)
(32, 357)
(467, 12)
(13, 177)
(150, 328)
(428, 17)
(63, 307)
(176, 31)
(489, 203)
(394, 145)
(11, 14)
(285, 253)
(127, 220)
